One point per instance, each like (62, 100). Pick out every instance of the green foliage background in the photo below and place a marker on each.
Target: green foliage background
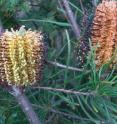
(99, 107)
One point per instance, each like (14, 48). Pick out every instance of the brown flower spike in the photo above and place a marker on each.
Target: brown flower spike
(104, 31)
(21, 57)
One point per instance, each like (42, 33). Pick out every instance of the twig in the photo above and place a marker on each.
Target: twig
(82, 6)
(71, 17)
(1, 27)
(70, 116)
(65, 91)
(25, 105)
(50, 118)
(33, 22)
(64, 66)
(94, 2)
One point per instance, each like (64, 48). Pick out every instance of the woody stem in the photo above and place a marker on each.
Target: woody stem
(25, 106)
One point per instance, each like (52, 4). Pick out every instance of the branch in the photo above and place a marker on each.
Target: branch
(82, 6)
(70, 116)
(64, 66)
(25, 105)
(94, 2)
(65, 91)
(71, 18)
(1, 27)
(28, 14)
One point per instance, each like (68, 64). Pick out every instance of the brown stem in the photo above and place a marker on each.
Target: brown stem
(65, 66)
(65, 91)
(25, 105)
(71, 18)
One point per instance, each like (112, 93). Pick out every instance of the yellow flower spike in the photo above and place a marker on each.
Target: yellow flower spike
(21, 57)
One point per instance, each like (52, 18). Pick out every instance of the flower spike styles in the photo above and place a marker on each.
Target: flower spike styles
(104, 32)
(21, 57)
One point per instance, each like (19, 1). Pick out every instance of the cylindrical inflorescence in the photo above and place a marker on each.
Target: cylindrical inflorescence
(82, 47)
(104, 32)
(21, 57)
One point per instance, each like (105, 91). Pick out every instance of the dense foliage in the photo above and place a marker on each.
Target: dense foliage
(90, 93)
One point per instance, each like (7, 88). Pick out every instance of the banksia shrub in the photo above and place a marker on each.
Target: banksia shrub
(104, 31)
(21, 57)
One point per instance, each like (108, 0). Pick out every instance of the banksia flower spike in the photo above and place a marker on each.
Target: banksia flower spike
(104, 31)
(21, 57)
(21, 63)
(82, 47)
